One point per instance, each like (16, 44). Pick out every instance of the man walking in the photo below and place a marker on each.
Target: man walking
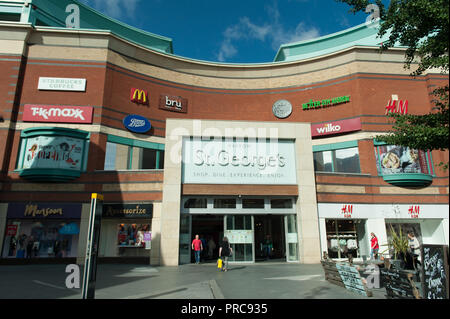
(197, 247)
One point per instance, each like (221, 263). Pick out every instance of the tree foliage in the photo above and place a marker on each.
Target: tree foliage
(422, 26)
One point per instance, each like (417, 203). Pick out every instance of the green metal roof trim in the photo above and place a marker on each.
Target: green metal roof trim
(52, 13)
(360, 35)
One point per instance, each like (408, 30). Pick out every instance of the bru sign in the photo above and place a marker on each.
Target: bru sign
(173, 103)
(58, 114)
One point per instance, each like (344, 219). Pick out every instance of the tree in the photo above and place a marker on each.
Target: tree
(422, 26)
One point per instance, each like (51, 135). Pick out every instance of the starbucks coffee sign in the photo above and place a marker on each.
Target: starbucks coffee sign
(218, 161)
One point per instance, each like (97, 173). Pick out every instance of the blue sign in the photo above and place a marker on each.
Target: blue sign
(137, 123)
(69, 229)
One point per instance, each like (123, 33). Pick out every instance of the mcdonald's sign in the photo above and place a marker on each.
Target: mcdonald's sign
(139, 96)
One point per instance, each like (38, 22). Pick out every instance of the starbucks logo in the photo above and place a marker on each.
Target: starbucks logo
(282, 109)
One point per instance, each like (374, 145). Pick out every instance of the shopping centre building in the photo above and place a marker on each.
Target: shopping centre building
(283, 151)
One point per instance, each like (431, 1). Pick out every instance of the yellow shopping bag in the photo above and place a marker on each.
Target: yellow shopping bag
(219, 263)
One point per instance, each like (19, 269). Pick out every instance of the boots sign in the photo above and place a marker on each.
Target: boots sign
(173, 103)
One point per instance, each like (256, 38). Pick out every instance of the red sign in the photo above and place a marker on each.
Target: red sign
(58, 113)
(139, 96)
(347, 211)
(395, 106)
(414, 211)
(337, 127)
(11, 230)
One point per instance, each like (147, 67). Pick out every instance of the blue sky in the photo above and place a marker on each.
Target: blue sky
(232, 31)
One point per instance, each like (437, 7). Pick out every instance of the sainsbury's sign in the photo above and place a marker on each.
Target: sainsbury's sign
(57, 113)
(336, 127)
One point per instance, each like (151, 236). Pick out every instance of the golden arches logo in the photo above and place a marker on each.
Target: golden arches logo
(139, 96)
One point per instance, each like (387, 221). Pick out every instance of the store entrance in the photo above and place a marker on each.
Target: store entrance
(210, 229)
(269, 238)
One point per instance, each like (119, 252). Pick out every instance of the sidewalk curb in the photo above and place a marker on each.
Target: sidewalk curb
(217, 293)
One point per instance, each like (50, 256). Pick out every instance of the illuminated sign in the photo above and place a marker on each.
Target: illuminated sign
(326, 102)
(173, 103)
(139, 96)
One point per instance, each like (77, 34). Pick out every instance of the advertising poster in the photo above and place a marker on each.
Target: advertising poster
(54, 152)
(398, 159)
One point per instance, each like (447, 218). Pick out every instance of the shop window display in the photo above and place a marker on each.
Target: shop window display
(132, 235)
(37, 239)
(344, 237)
(392, 159)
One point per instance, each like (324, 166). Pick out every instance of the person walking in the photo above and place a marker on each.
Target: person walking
(226, 251)
(197, 247)
(374, 246)
(414, 247)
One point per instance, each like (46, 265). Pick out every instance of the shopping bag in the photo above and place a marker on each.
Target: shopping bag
(219, 263)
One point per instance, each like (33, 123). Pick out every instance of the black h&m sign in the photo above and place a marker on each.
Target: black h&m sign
(435, 271)
(90, 263)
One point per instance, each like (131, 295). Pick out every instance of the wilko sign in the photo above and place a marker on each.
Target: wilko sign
(173, 103)
(336, 127)
(396, 106)
(57, 113)
(139, 96)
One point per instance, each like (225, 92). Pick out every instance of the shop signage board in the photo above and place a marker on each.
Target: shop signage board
(253, 161)
(128, 211)
(325, 102)
(173, 103)
(137, 124)
(336, 127)
(62, 84)
(351, 278)
(54, 152)
(399, 283)
(435, 272)
(139, 96)
(44, 210)
(58, 114)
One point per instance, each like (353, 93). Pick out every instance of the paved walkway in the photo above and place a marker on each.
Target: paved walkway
(243, 281)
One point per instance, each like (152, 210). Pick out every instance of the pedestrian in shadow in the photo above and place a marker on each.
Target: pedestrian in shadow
(225, 251)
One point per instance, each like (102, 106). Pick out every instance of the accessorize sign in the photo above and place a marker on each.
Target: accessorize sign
(127, 210)
(44, 210)
(58, 113)
(173, 103)
(54, 152)
(218, 161)
(137, 124)
(62, 84)
(336, 127)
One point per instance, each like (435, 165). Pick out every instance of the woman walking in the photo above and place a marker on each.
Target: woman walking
(226, 251)
(374, 246)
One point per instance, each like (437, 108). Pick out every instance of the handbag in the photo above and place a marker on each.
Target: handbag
(219, 263)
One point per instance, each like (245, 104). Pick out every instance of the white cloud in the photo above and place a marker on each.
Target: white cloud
(115, 8)
(272, 31)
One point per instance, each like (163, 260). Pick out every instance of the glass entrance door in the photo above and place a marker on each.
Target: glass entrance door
(185, 238)
(240, 233)
(290, 222)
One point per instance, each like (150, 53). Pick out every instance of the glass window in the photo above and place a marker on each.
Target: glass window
(239, 222)
(344, 238)
(123, 157)
(393, 159)
(195, 203)
(132, 235)
(281, 203)
(339, 161)
(225, 203)
(253, 203)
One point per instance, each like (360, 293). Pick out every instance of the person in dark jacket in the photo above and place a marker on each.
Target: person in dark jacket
(225, 251)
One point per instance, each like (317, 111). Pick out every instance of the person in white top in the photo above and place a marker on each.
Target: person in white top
(414, 246)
